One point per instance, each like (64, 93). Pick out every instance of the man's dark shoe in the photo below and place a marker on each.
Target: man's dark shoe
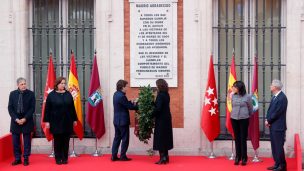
(280, 168)
(64, 162)
(26, 162)
(244, 162)
(125, 159)
(236, 161)
(272, 167)
(16, 162)
(114, 158)
(58, 162)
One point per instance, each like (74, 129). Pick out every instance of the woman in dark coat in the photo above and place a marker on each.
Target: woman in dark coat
(163, 134)
(60, 116)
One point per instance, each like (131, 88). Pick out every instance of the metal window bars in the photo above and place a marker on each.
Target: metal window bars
(250, 27)
(60, 26)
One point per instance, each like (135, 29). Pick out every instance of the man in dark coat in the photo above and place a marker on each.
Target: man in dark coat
(121, 121)
(276, 121)
(21, 107)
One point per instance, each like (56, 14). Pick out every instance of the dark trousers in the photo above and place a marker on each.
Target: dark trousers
(277, 139)
(61, 146)
(17, 145)
(122, 134)
(240, 129)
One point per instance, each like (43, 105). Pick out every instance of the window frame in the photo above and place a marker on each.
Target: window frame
(84, 62)
(249, 44)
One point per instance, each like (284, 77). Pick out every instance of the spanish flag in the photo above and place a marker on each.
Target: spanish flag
(74, 89)
(231, 80)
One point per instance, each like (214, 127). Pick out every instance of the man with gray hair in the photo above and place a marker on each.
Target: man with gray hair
(276, 121)
(21, 107)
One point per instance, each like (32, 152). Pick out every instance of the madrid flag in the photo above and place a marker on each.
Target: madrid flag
(49, 86)
(231, 80)
(210, 122)
(95, 115)
(73, 86)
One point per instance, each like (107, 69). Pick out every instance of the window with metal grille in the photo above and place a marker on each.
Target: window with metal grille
(250, 28)
(59, 26)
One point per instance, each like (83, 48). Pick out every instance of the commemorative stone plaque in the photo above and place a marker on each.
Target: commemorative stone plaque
(153, 42)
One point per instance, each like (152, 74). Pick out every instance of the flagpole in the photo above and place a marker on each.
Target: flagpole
(256, 158)
(96, 153)
(52, 155)
(232, 156)
(73, 154)
(211, 155)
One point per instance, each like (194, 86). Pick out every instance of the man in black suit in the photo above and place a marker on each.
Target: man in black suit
(276, 121)
(21, 107)
(121, 121)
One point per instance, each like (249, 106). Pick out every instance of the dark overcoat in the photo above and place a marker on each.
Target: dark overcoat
(163, 134)
(28, 99)
(60, 112)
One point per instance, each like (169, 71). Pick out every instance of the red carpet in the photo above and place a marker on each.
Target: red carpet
(39, 162)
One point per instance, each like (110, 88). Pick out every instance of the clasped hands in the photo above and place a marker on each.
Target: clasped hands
(21, 121)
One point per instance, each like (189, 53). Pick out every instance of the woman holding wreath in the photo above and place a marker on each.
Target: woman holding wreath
(163, 134)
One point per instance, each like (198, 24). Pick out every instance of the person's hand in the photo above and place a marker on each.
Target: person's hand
(47, 125)
(267, 124)
(19, 121)
(134, 101)
(229, 97)
(75, 123)
(23, 120)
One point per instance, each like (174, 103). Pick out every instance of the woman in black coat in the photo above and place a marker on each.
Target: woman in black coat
(60, 116)
(163, 134)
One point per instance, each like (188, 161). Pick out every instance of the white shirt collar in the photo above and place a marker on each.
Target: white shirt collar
(278, 93)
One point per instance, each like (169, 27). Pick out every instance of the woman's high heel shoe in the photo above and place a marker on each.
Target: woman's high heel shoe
(163, 160)
(167, 159)
(236, 161)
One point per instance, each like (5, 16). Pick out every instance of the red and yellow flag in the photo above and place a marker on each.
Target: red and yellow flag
(231, 80)
(73, 86)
